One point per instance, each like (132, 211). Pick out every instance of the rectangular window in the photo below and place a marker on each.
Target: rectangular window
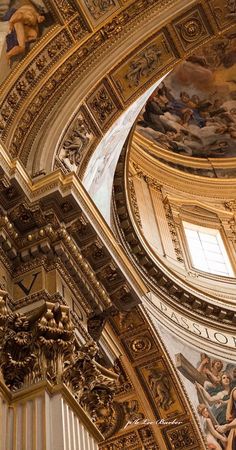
(207, 250)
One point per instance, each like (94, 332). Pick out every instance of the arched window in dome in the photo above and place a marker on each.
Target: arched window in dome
(207, 250)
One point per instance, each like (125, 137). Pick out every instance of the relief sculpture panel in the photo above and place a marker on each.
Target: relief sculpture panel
(77, 141)
(99, 10)
(166, 403)
(192, 27)
(224, 12)
(103, 104)
(139, 69)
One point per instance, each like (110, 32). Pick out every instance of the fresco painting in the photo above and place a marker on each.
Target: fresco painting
(193, 111)
(210, 383)
(215, 384)
(23, 23)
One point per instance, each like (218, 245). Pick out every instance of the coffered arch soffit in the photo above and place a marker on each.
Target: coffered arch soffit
(94, 70)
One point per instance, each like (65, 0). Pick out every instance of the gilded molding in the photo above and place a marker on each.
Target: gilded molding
(66, 73)
(192, 27)
(65, 9)
(134, 203)
(182, 438)
(76, 239)
(156, 56)
(52, 52)
(97, 12)
(42, 346)
(150, 362)
(103, 104)
(173, 231)
(155, 277)
(224, 12)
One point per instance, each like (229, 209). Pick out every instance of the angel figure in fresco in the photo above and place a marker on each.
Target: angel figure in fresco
(218, 397)
(24, 27)
(215, 382)
(230, 426)
(212, 370)
(213, 437)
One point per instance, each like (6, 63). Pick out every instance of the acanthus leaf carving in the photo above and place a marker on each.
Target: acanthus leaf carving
(42, 347)
(98, 8)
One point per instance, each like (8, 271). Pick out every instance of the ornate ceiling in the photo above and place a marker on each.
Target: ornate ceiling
(193, 112)
(87, 65)
(69, 70)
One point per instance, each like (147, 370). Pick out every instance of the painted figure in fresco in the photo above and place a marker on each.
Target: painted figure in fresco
(218, 397)
(23, 28)
(194, 107)
(211, 434)
(153, 112)
(233, 376)
(215, 383)
(188, 109)
(230, 426)
(156, 106)
(212, 370)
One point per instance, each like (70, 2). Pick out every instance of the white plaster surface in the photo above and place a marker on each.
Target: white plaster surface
(98, 178)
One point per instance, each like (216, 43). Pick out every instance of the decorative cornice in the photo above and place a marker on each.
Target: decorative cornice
(162, 281)
(20, 129)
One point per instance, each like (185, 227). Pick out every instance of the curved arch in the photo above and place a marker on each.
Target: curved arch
(95, 72)
(132, 57)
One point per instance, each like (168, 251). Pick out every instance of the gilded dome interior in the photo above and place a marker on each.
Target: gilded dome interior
(191, 115)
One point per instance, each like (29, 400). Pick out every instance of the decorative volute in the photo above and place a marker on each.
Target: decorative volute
(42, 347)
